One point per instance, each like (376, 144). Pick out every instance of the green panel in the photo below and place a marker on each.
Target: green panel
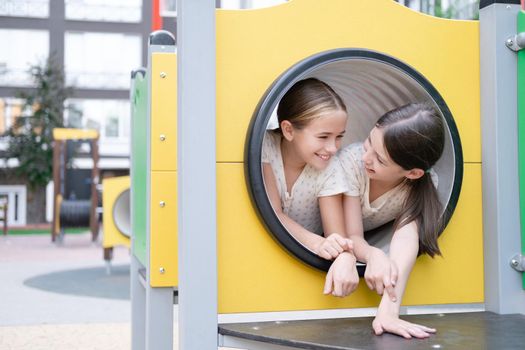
(521, 131)
(139, 167)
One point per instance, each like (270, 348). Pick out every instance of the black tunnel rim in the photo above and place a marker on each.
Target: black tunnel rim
(261, 117)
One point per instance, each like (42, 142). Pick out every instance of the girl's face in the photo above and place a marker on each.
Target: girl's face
(316, 143)
(377, 162)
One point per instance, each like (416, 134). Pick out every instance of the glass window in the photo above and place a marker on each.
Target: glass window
(101, 60)
(109, 117)
(168, 8)
(249, 4)
(26, 48)
(104, 10)
(25, 8)
(457, 9)
(10, 109)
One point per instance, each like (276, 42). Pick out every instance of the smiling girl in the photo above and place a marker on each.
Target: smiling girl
(390, 178)
(303, 178)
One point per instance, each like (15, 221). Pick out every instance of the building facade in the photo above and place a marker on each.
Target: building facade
(98, 43)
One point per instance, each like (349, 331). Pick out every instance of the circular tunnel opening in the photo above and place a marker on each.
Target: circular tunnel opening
(121, 213)
(370, 83)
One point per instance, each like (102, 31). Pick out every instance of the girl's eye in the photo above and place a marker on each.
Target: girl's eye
(340, 136)
(323, 137)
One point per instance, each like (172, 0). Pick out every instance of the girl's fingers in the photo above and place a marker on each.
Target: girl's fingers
(418, 333)
(425, 328)
(393, 274)
(341, 242)
(379, 287)
(390, 290)
(332, 251)
(369, 284)
(328, 282)
(378, 329)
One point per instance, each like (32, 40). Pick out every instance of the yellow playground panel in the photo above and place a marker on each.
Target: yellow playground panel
(255, 273)
(116, 220)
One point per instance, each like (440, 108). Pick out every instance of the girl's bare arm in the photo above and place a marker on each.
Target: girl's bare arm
(403, 252)
(327, 248)
(380, 273)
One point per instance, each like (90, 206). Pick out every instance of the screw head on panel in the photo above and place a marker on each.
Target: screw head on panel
(162, 204)
(163, 75)
(514, 263)
(162, 137)
(162, 270)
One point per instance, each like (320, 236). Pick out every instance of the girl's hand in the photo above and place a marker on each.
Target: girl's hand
(393, 324)
(342, 278)
(381, 273)
(333, 245)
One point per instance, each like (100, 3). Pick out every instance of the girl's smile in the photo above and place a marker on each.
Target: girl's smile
(316, 143)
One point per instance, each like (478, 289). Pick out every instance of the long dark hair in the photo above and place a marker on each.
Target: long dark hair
(307, 100)
(414, 137)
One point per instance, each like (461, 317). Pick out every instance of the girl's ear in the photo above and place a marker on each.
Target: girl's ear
(415, 174)
(287, 130)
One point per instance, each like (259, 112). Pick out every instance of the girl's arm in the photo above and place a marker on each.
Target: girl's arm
(380, 273)
(327, 248)
(342, 277)
(403, 252)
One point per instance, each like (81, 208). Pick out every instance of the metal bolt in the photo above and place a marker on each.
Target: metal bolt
(162, 137)
(162, 270)
(508, 7)
(162, 204)
(514, 263)
(509, 42)
(163, 75)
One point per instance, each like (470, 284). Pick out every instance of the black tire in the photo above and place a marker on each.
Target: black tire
(75, 213)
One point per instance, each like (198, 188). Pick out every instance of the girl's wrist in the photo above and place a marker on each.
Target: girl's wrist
(349, 255)
(371, 251)
(388, 307)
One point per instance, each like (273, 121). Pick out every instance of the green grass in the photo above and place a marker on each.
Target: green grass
(68, 231)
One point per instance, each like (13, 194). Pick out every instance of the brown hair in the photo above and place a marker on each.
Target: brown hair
(306, 100)
(414, 137)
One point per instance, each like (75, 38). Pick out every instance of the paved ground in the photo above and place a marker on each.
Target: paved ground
(59, 297)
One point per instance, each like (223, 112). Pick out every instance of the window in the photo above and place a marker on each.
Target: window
(26, 48)
(25, 8)
(129, 11)
(101, 60)
(109, 117)
(16, 204)
(249, 4)
(10, 109)
(168, 8)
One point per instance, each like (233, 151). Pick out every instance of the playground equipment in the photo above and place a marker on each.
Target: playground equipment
(74, 207)
(377, 55)
(116, 224)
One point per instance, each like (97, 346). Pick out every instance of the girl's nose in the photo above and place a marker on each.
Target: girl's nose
(331, 147)
(366, 157)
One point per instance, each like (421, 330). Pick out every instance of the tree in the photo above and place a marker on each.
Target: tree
(30, 138)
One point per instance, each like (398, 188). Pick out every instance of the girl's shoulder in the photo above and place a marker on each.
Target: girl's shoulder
(351, 153)
(270, 147)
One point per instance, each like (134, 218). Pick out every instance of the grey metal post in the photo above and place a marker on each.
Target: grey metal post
(159, 300)
(137, 289)
(138, 306)
(501, 219)
(197, 175)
